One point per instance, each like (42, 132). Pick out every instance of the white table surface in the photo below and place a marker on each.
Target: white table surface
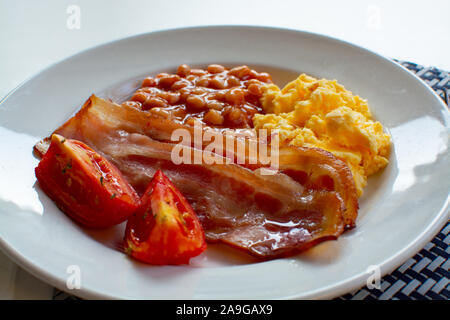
(35, 34)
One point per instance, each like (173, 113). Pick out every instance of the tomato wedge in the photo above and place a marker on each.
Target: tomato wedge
(84, 185)
(165, 229)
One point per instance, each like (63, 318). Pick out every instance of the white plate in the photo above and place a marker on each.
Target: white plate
(403, 206)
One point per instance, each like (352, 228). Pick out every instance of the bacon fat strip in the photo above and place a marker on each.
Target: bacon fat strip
(314, 168)
(267, 216)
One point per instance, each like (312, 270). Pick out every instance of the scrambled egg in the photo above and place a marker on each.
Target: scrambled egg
(321, 113)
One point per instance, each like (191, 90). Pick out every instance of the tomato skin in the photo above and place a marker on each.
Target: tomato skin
(165, 229)
(84, 185)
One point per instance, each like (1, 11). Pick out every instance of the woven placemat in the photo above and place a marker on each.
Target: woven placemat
(424, 276)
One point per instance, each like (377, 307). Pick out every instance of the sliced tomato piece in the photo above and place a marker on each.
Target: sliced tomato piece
(84, 185)
(165, 228)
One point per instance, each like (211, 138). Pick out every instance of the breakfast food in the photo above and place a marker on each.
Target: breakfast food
(311, 199)
(164, 229)
(322, 114)
(215, 96)
(238, 199)
(85, 185)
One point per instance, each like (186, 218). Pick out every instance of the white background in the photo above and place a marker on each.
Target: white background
(35, 34)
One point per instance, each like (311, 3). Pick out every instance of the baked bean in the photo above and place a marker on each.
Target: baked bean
(214, 117)
(179, 84)
(234, 114)
(191, 78)
(235, 96)
(215, 68)
(155, 102)
(217, 83)
(202, 82)
(183, 70)
(235, 71)
(149, 82)
(219, 95)
(199, 91)
(184, 94)
(173, 97)
(249, 110)
(255, 89)
(191, 121)
(178, 112)
(264, 77)
(162, 94)
(196, 102)
(185, 90)
(216, 105)
(252, 74)
(140, 96)
(252, 81)
(240, 72)
(150, 90)
(198, 72)
(232, 81)
(168, 81)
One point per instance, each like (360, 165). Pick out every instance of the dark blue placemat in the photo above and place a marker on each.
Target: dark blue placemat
(424, 276)
(436, 78)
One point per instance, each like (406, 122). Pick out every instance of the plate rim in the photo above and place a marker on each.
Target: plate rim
(326, 292)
